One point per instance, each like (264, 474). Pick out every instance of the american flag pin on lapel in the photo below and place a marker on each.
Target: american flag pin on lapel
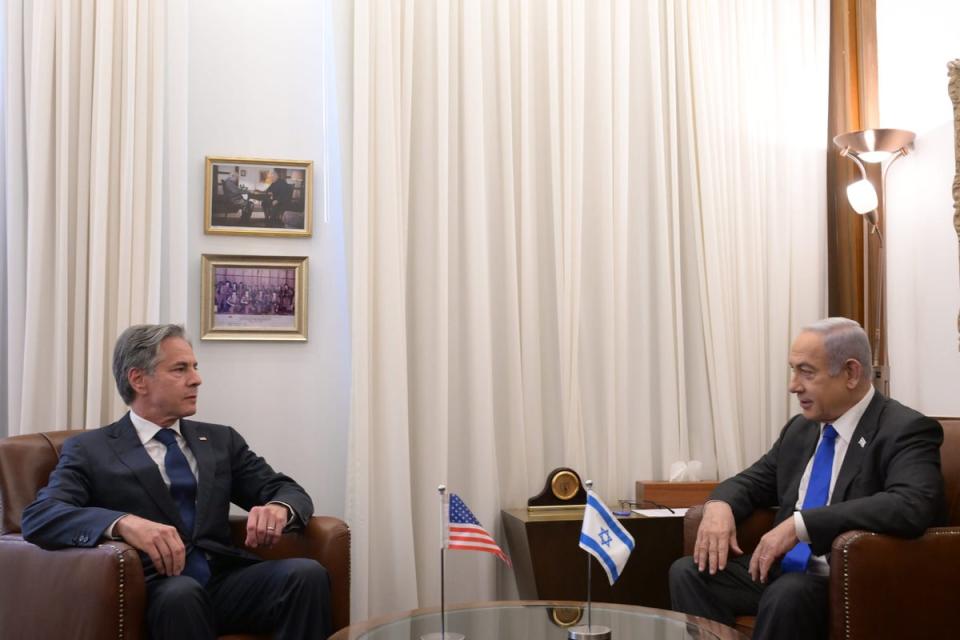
(862, 442)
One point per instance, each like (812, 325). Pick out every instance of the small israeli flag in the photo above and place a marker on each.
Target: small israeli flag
(603, 537)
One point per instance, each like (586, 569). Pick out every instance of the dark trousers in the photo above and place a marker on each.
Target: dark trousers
(288, 598)
(273, 211)
(789, 606)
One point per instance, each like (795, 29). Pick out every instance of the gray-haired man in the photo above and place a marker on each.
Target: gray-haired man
(164, 485)
(853, 459)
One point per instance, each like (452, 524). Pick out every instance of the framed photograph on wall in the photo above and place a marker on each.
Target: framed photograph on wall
(258, 196)
(253, 298)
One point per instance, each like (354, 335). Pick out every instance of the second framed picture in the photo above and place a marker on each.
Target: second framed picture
(258, 196)
(253, 298)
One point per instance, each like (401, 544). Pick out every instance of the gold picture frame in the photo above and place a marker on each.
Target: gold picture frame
(953, 87)
(258, 197)
(253, 298)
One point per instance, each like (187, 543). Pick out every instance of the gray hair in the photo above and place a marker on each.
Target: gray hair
(844, 339)
(139, 348)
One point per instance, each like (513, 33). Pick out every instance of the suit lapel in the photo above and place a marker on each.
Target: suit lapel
(197, 439)
(122, 436)
(809, 437)
(866, 429)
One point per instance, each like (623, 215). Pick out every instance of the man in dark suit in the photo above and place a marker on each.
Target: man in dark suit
(234, 194)
(853, 459)
(164, 485)
(277, 199)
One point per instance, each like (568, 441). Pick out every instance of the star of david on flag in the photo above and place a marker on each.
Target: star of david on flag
(603, 537)
(463, 531)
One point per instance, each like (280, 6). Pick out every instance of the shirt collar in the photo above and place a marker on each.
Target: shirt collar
(847, 423)
(146, 430)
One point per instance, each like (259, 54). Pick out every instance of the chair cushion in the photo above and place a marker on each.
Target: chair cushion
(25, 465)
(950, 465)
(745, 624)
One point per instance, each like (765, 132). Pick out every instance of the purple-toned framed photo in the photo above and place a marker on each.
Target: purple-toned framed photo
(253, 298)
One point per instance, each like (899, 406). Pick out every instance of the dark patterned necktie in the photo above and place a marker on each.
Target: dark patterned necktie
(183, 488)
(818, 492)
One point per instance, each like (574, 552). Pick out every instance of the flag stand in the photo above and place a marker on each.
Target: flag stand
(589, 631)
(444, 634)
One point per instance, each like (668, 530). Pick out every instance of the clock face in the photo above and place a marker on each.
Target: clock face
(566, 616)
(565, 485)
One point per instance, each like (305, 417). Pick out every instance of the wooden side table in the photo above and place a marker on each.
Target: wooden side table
(673, 494)
(549, 564)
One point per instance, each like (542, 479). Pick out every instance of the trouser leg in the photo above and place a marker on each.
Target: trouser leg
(721, 597)
(793, 607)
(269, 211)
(289, 598)
(178, 608)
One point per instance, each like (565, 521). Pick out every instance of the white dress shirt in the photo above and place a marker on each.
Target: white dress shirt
(157, 451)
(844, 426)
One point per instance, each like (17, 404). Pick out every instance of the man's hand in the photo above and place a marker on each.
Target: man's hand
(716, 536)
(265, 525)
(773, 546)
(159, 541)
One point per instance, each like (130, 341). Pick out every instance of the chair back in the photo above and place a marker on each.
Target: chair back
(25, 466)
(950, 465)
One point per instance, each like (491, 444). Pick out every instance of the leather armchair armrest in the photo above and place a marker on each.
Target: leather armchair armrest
(325, 539)
(691, 522)
(752, 529)
(886, 587)
(749, 531)
(86, 594)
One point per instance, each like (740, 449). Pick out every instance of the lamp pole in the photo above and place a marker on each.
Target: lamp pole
(881, 359)
(876, 317)
(883, 146)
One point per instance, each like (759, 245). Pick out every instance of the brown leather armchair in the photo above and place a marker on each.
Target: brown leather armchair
(880, 586)
(99, 592)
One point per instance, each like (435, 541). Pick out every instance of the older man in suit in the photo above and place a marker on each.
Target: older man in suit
(853, 459)
(164, 484)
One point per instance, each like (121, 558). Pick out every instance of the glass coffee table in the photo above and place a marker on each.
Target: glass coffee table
(539, 620)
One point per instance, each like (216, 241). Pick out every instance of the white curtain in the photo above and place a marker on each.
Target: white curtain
(95, 197)
(583, 234)
(4, 417)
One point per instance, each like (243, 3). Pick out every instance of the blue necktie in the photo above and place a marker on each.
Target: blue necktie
(183, 488)
(818, 491)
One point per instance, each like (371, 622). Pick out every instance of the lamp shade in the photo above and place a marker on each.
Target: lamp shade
(862, 196)
(875, 145)
(874, 156)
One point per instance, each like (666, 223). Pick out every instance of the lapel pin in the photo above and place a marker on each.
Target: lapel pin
(204, 439)
(862, 443)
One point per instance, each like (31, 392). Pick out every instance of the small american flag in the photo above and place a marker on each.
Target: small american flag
(464, 531)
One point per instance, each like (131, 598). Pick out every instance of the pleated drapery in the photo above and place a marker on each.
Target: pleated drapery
(583, 234)
(95, 198)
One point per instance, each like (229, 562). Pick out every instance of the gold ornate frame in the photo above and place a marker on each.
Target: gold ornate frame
(253, 321)
(953, 71)
(292, 223)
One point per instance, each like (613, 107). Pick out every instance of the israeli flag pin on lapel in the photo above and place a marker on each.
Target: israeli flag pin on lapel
(862, 442)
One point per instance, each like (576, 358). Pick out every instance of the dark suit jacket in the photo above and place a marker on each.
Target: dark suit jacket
(105, 473)
(892, 484)
(281, 191)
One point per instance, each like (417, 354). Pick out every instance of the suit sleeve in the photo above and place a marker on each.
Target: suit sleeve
(911, 497)
(756, 486)
(255, 483)
(60, 516)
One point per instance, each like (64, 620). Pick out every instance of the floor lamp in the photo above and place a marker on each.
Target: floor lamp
(883, 147)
